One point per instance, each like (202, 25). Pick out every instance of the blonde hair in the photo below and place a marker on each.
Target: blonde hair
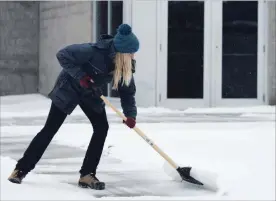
(123, 69)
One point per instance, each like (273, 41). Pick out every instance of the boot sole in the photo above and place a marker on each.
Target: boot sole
(15, 181)
(95, 186)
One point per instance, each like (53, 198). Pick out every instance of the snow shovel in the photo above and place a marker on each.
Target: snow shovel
(185, 173)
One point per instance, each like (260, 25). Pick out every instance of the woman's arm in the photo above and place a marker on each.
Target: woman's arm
(128, 102)
(72, 57)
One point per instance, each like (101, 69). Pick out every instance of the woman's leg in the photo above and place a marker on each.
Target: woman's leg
(95, 148)
(41, 141)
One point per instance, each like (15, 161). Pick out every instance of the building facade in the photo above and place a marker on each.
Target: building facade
(193, 53)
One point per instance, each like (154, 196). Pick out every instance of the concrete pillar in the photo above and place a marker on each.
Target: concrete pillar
(271, 50)
(61, 23)
(18, 47)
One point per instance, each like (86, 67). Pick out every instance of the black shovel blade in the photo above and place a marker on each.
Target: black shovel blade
(185, 175)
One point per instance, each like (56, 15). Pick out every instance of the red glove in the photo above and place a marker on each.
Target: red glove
(86, 81)
(130, 122)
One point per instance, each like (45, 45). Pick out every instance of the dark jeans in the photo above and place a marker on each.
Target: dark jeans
(54, 121)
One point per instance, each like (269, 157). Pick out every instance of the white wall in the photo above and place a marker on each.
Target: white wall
(144, 26)
(61, 23)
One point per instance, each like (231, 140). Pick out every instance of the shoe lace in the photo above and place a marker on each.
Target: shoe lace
(94, 176)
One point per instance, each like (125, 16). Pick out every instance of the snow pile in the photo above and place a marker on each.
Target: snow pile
(37, 105)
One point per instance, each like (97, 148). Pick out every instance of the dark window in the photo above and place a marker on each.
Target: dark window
(185, 49)
(240, 42)
(109, 17)
(101, 26)
(116, 20)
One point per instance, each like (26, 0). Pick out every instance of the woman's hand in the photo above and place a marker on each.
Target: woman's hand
(130, 122)
(86, 82)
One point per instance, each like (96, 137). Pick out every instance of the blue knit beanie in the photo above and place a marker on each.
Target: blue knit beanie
(125, 41)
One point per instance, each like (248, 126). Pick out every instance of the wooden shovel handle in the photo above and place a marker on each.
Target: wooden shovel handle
(149, 141)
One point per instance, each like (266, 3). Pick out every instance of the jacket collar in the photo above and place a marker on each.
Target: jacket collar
(106, 42)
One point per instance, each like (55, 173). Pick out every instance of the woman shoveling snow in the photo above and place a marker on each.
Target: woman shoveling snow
(86, 68)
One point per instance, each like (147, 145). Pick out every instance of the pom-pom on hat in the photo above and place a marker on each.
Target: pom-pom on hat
(125, 41)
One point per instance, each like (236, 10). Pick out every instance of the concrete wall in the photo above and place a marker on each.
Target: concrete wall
(18, 47)
(61, 23)
(271, 50)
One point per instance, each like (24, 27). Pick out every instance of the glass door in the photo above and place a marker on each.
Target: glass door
(211, 53)
(183, 58)
(238, 53)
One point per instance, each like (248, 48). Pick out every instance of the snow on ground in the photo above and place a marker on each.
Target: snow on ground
(241, 152)
(46, 187)
(36, 187)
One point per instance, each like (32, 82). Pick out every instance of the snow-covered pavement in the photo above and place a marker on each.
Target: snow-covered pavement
(237, 143)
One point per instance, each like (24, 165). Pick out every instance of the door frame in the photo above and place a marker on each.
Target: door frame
(162, 41)
(217, 100)
(212, 59)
